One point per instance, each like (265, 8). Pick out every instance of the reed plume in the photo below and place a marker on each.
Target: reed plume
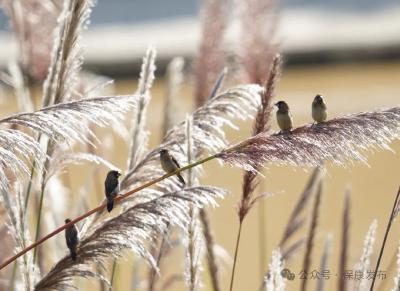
(66, 122)
(208, 121)
(364, 264)
(341, 140)
(296, 221)
(397, 278)
(129, 230)
(258, 22)
(250, 177)
(273, 280)
(344, 246)
(195, 239)
(210, 56)
(139, 135)
(33, 22)
(20, 234)
(174, 82)
(324, 261)
(66, 57)
(311, 235)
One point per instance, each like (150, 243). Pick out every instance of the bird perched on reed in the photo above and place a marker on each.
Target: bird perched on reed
(284, 117)
(170, 164)
(111, 185)
(71, 237)
(318, 109)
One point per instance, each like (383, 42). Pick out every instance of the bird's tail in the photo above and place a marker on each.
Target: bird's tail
(73, 253)
(110, 205)
(181, 179)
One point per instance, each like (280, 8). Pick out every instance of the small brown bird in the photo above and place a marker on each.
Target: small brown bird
(284, 117)
(170, 164)
(111, 185)
(318, 109)
(71, 237)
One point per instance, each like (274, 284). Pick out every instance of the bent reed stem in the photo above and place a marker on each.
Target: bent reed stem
(102, 206)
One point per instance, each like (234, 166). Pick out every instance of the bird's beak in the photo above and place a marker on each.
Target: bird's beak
(119, 174)
(276, 104)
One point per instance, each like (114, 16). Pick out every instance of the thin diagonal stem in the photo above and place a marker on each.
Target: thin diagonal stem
(236, 255)
(101, 207)
(389, 225)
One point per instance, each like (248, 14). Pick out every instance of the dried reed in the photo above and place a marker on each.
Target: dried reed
(393, 214)
(311, 235)
(344, 247)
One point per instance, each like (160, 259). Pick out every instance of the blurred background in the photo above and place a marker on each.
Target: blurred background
(348, 51)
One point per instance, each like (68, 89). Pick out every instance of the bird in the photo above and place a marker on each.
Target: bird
(284, 117)
(170, 164)
(318, 109)
(111, 185)
(71, 237)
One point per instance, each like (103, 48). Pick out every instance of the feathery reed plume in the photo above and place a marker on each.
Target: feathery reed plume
(174, 82)
(260, 125)
(340, 140)
(273, 280)
(311, 235)
(66, 56)
(295, 221)
(139, 135)
(195, 240)
(257, 25)
(397, 278)
(393, 214)
(263, 116)
(62, 122)
(208, 121)
(67, 121)
(364, 263)
(60, 83)
(324, 261)
(210, 57)
(33, 22)
(20, 234)
(16, 151)
(250, 177)
(344, 247)
(129, 230)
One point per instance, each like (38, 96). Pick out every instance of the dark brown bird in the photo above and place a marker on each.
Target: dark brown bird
(284, 117)
(170, 164)
(111, 185)
(71, 237)
(318, 109)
